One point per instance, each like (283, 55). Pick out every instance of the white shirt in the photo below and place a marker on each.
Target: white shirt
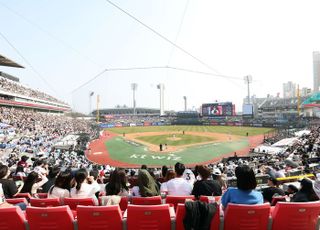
(179, 187)
(85, 191)
(58, 193)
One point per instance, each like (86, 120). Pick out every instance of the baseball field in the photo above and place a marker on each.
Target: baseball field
(134, 146)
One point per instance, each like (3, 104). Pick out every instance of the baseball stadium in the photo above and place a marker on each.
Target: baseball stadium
(83, 148)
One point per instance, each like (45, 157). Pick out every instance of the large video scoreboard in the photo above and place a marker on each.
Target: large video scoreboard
(218, 109)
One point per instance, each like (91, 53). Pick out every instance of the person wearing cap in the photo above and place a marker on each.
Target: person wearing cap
(273, 189)
(217, 176)
(306, 192)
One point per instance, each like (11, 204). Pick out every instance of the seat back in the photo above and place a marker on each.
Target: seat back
(17, 200)
(302, 215)
(175, 200)
(59, 218)
(12, 218)
(242, 217)
(45, 202)
(23, 195)
(123, 203)
(151, 217)
(146, 200)
(74, 202)
(42, 195)
(102, 217)
(181, 212)
(276, 199)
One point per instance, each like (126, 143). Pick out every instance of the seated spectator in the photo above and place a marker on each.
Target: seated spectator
(306, 192)
(53, 173)
(20, 171)
(291, 190)
(179, 186)
(95, 173)
(23, 161)
(146, 185)
(9, 186)
(32, 183)
(170, 174)
(273, 189)
(83, 189)
(244, 193)
(117, 184)
(217, 176)
(205, 186)
(61, 187)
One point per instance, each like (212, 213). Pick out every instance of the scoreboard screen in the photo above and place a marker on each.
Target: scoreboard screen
(218, 109)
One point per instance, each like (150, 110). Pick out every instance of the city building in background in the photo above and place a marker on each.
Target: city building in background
(316, 71)
(289, 89)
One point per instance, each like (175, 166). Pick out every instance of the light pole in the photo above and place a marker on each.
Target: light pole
(248, 80)
(134, 87)
(90, 101)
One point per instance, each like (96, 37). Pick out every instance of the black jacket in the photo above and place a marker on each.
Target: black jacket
(199, 215)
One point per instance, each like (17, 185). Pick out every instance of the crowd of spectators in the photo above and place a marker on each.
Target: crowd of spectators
(29, 157)
(14, 87)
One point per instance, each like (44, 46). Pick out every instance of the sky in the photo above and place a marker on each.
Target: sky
(64, 44)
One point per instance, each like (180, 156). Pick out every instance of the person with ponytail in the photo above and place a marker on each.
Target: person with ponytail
(83, 189)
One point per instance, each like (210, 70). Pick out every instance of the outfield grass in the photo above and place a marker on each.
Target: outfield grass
(180, 139)
(123, 151)
(234, 130)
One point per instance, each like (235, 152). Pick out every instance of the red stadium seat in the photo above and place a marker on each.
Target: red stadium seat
(146, 200)
(42, 195)
(206, 198)
(243, 217)
(17, 200)
(181, 212)
(103, 217)
(175, 200)
(12, 218)
(53, 218)
(123, 203)
(302, 215)
(151, 217)
(46, 202)
(74, 202)
(23, 195)
(276, 199)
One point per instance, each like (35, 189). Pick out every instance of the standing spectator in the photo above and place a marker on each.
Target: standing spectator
(179, 186)
(205, 186)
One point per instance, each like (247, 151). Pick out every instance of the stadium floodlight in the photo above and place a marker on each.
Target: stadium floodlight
(134, 87)
(161, 88)
(185, 103)
(248, 80)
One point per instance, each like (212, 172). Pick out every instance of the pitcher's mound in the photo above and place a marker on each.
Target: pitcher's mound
(174, 138)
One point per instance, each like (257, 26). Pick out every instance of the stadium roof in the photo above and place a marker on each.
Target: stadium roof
(312, 101)
(7, 62)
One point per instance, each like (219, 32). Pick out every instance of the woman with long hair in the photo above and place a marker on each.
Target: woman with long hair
(61, 187)
(83, 189)
(117, 184)
(32, 183)
(146, 185)
(306, 192)
(245, 192)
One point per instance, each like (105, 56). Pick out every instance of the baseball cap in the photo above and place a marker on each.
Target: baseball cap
(216, 172)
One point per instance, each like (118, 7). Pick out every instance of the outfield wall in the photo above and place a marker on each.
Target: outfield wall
(213, 123)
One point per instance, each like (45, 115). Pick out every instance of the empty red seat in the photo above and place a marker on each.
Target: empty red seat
(103, 217)
(53, 218)
(206, 198)
(46, 202)
(148, 217)
(181, 212)
(12, 218)
(146, 200)
(17, 200)
(175, 200)
(123, 203)
(302, 215)
(276, 199)
(73, 202)
(243, 217)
